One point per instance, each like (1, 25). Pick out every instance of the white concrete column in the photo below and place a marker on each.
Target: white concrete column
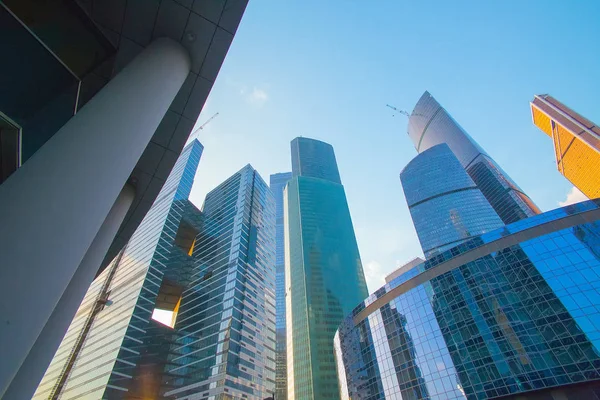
(24, 384)
(52, 208)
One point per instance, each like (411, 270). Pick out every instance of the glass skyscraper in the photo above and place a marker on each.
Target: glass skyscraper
(277, 184)
(225, 347)
(323, 271)
(212, 271)
(315, 159)
(576, 142)
(100, 353)
(496, 311)
(445, 204)
(430, 124)
(511, 314)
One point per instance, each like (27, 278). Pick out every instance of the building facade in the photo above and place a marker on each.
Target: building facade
(225, 347)
(96, 106)
(510, 314)
(314, 159)
(277, 184)
(323, 271)
(576, 142)
(446, 206)
(99, 354)
(213, 271)
(430, 124)
(403, 268)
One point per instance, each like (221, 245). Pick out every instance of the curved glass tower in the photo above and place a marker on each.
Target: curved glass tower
(324, 274)
(430, 124)
(510, 314)
(445, 204)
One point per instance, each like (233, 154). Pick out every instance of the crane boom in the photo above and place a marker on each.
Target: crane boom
(398, 111)
(193, 135)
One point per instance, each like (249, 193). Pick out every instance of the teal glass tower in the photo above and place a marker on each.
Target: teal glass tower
(324, 278)
(277, 184)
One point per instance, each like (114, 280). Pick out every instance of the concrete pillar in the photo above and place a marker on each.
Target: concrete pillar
(24, 384)
(52, 208)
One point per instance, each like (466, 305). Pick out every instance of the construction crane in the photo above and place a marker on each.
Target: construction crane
(194, 134)
(398, 111)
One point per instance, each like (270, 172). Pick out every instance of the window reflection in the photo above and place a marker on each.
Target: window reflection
(520, 319)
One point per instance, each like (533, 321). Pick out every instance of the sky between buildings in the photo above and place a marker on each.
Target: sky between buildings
(326, 69)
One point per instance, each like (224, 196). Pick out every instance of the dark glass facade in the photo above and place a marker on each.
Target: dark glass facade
(445, 204)
(53, 49)
(430, 124)
(511, 313)
(324, 274)
(277, 184)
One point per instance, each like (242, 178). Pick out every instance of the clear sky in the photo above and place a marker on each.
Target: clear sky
(326, 69)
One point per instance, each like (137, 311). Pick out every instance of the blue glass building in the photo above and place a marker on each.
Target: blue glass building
(213, 271)
(430, 124)
(277, 184)
(225, 347)
(446, 206)
(102, 352)
(323, 271)
(513, 313)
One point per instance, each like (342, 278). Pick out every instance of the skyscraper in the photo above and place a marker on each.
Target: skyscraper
(324, 274)
(492, 313)
(226, 324)
(277, 184)
(509, 314)
(576, 142)
(430, 124)
(212, 270)
(315, 159)
(100, 353)
(446, 206)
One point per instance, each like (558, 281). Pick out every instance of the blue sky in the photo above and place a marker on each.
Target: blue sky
(326, 69)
